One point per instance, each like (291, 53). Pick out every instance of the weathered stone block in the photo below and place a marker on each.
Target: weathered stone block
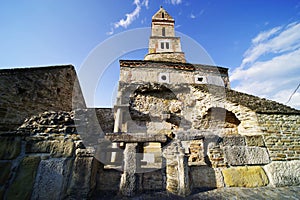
(109, 180)
(204, 176)
(51, 179)
(255, 140)
(233, 141)
(235, 155)
(5, 169)
(243, 155)
(87, 152)
(83, 178)
(56, 148)
(33, 146)
(62, 149)
(257, 155)
(283, 173)
(153, 180)
(22, 186)
(253, 176)
(10, 147)
(2, 190)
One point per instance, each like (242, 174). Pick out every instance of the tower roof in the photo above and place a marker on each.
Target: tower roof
(162, 14)
(163, 44)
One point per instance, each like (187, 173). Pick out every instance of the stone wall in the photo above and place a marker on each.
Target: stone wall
(213, 137)
(281, 135)
(47, 156)
(235, 139)
(29, 91)
(48, 153)
(105, 117)
(137, 71)
(244, 161)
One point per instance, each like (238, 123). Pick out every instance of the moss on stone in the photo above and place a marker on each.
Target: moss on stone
(10, 147)
(5, 172)
(22, 186)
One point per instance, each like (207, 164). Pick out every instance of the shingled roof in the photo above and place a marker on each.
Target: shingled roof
(257, 104)
(260, 105)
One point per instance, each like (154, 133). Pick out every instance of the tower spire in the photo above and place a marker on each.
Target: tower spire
(163, 45)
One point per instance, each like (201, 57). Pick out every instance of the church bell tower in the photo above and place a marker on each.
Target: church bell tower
(163, 45)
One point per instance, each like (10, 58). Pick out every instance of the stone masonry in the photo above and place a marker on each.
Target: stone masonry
(176, 129)
(29, 91)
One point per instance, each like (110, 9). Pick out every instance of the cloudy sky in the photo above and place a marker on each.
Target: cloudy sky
(259, 41)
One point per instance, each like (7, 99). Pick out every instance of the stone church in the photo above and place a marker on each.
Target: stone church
(176, 127)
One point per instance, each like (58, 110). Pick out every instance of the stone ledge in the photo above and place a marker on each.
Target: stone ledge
(136, 137)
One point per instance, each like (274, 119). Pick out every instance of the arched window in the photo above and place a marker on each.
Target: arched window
(167, 45)
(163, 31)
(162, 15)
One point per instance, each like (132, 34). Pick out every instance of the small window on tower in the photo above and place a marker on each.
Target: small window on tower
(162, 46)
(167, 45)
(200, 79)
(162, 15)
(163, 31)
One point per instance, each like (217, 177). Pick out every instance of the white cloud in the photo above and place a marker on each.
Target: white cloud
(174, 2)
(110, 32)
(271, 66)
(192, 16)
(201, 12)
(177, 26)
(130, 17)
(146, 3)
(143, 21)
(265, 35)
(277, 40)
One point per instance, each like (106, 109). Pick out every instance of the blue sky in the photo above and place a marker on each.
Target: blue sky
(259, 41)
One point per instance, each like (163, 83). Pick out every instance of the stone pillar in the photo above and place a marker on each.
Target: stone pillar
(177, 170)
(117, 128)
(118, 121)
(128, 184)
